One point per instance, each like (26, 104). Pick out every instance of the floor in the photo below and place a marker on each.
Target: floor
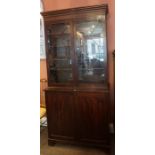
(64, 149)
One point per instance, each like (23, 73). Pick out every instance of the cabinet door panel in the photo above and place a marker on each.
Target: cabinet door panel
(92, 115)
(59, 52)
(60, 110)
(90, 47)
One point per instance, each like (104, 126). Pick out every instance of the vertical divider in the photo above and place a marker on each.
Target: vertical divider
(75, 65)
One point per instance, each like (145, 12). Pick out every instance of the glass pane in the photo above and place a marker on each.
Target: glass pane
(91, 50)
(59, 51)
(61, 64)
(60, 29)
(60, 76)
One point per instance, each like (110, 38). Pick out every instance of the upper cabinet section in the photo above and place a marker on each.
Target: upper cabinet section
(76, 46)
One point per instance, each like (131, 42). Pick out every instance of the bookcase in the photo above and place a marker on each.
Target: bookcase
(77, 97)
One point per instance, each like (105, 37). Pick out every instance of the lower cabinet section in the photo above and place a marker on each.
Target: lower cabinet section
(78, 117)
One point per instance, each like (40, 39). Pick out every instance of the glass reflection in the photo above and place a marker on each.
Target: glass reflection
(90, 49)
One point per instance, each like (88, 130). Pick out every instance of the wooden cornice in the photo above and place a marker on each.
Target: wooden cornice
(75, 10)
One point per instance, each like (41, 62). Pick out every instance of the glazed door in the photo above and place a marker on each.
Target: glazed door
(90, 49)
(59, 52)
